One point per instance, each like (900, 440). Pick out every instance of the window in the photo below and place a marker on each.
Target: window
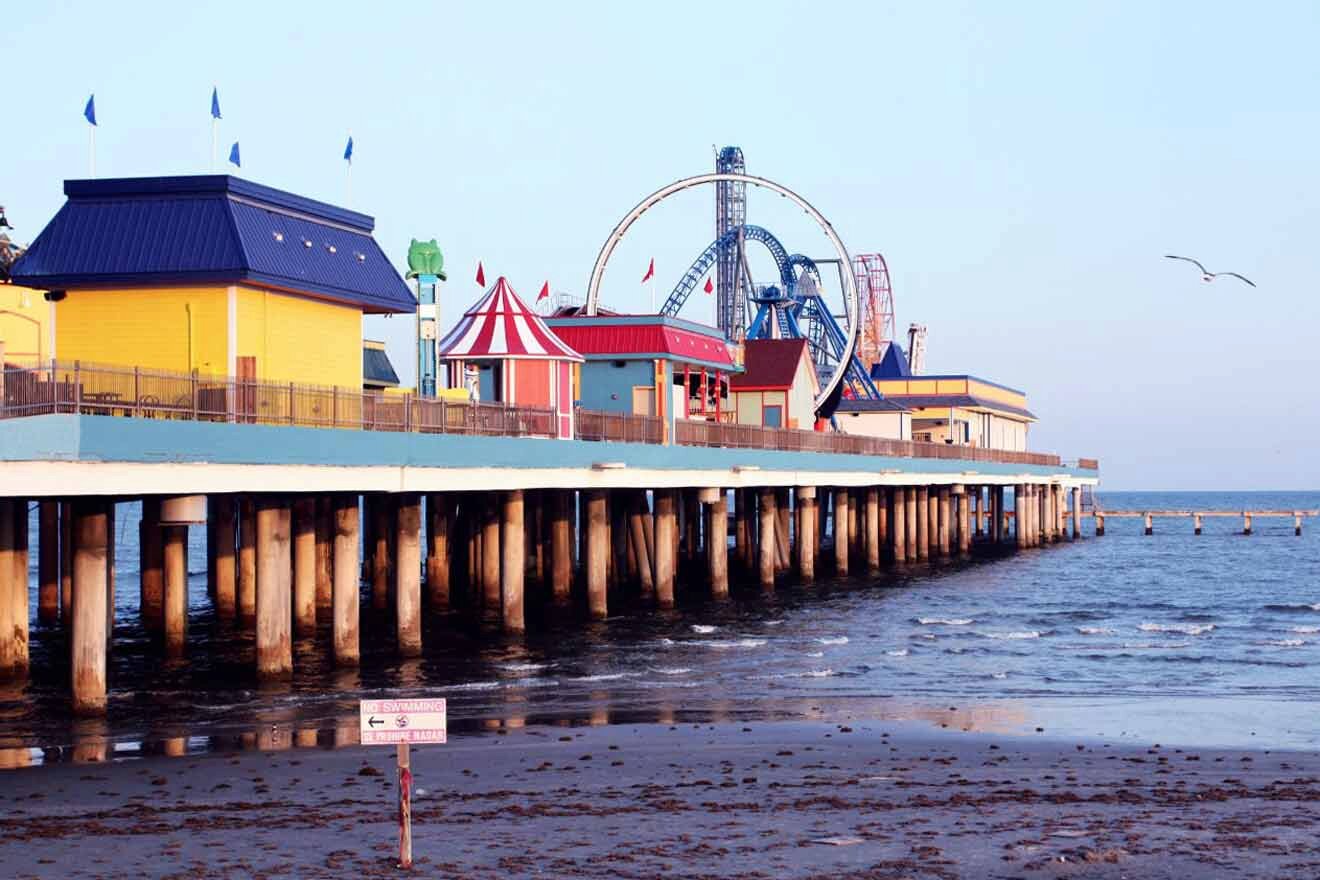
(772, 416)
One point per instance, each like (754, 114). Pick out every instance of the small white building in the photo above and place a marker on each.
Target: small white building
(874, 418)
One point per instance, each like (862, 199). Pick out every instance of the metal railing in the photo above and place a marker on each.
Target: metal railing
(92, 389)
(696, 433)
(618, 427)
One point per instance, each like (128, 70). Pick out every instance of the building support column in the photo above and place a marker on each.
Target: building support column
(767, 544)
(151, 577)
(666, 534)
(806, 545)
(872, 530)
(976, 510)
(304, 566)
(1020, 505)
(717, 545)
(408, 574)
(1076, 523)
(910, 515)
(48, 562)
(174, 555)
(66, 563)
(247, 559)
(274, 601)
(89, 519)
(513, 544)
(841, 532)
(346, 570)
(437, 551)
(382, 524)
(561, 546)
(9, 515)
(783, 514)
(597, 553)
(323, 508)
(1196, 523)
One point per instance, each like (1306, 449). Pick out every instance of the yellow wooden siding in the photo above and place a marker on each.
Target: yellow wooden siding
(1001, 395)
(300, 340)
(176, 329)
(24, 324)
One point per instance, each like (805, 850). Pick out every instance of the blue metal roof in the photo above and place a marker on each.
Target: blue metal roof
(376, 367)
(211, 229)
(892, 364)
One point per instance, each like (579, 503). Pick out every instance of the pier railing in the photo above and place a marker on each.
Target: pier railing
(97, 389)
(697, 433)
(91, 389)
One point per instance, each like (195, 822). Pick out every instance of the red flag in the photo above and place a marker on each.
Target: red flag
(545, 292)
(481, 275)
(709, 288)
(650, 271)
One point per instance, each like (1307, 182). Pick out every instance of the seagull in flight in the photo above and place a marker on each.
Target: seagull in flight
(1206, 274)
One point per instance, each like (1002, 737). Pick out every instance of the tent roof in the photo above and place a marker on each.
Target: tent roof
(500, 325)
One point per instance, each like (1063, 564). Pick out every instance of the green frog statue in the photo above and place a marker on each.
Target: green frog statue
(424, 258)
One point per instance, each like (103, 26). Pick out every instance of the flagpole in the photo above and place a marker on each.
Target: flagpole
(91, 150)
(653, 293)
(213, 137)
(348, 176)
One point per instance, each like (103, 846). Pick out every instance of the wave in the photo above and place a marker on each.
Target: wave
(1095, 630)
(816, 654)
(945, 621)
(703, 628)
(900, 652)
(1305, 630)
(671, 670)
(1028, 634)
(1283, 643)
(1187, 629)
(523, 667)
(606, 676)
(726, 644)
(774, 622)
(1303, 607)
(833, 640)
(999, 675)
(809, 673)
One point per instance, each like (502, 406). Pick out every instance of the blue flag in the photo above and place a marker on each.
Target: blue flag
(233, 155)
(348, 150)
(90, 110)
(215, 103)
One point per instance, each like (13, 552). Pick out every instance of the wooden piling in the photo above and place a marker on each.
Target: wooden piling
(841, 532)
(1297, 524)
(638, 513)
(740, 527)
(1246, 522)
(174, 539)
(247, 559)
(382, 525)
(491, 554)
(1150, 525)
(872, 529)
(1099, 524)
(945, 514)
(304, 566)
(66, 563)
(514, 562)
(767, 542)
(89, 518)
(408, 573)
(1196, 524)
(1076, 524)
(48, 562)
(561, 546)
(151, 578)
(20, 595)
(274, 601)
(964, 529)
(900, 523)
(324, 511)
(923, 523)
(597, 551)
(717, 546)
(783, 525)
(666, 526)
(8, 587)
(437, 551)
(1020, 525)
(976, 510)
(910, 514)
(223, 510)
(806, 547)
(346, 571)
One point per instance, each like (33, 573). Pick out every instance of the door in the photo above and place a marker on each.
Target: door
(246, 392)
(772, 416)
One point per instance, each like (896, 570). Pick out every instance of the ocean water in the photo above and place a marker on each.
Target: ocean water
(1210, 640)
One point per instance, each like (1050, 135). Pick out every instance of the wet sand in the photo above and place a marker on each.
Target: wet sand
(759, 800)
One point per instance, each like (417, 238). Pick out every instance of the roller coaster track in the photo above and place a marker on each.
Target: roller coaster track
(702, 265)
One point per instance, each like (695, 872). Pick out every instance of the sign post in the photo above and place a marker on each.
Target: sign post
(402, 723)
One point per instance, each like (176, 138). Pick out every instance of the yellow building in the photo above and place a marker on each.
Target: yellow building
(212, 274)
(960, 410)
(24, 325)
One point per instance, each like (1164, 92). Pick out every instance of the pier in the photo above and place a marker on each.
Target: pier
(1198, 517)
(430, 508)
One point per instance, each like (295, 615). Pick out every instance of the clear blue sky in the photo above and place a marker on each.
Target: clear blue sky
(1023, 167)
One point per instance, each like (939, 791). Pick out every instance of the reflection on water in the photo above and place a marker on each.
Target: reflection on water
(1219, 621)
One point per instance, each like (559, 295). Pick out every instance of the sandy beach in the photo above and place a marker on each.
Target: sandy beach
(782, 800)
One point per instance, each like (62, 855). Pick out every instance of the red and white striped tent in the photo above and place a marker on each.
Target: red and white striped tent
(529, 365)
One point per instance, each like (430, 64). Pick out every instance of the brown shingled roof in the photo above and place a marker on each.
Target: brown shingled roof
(769, 363)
